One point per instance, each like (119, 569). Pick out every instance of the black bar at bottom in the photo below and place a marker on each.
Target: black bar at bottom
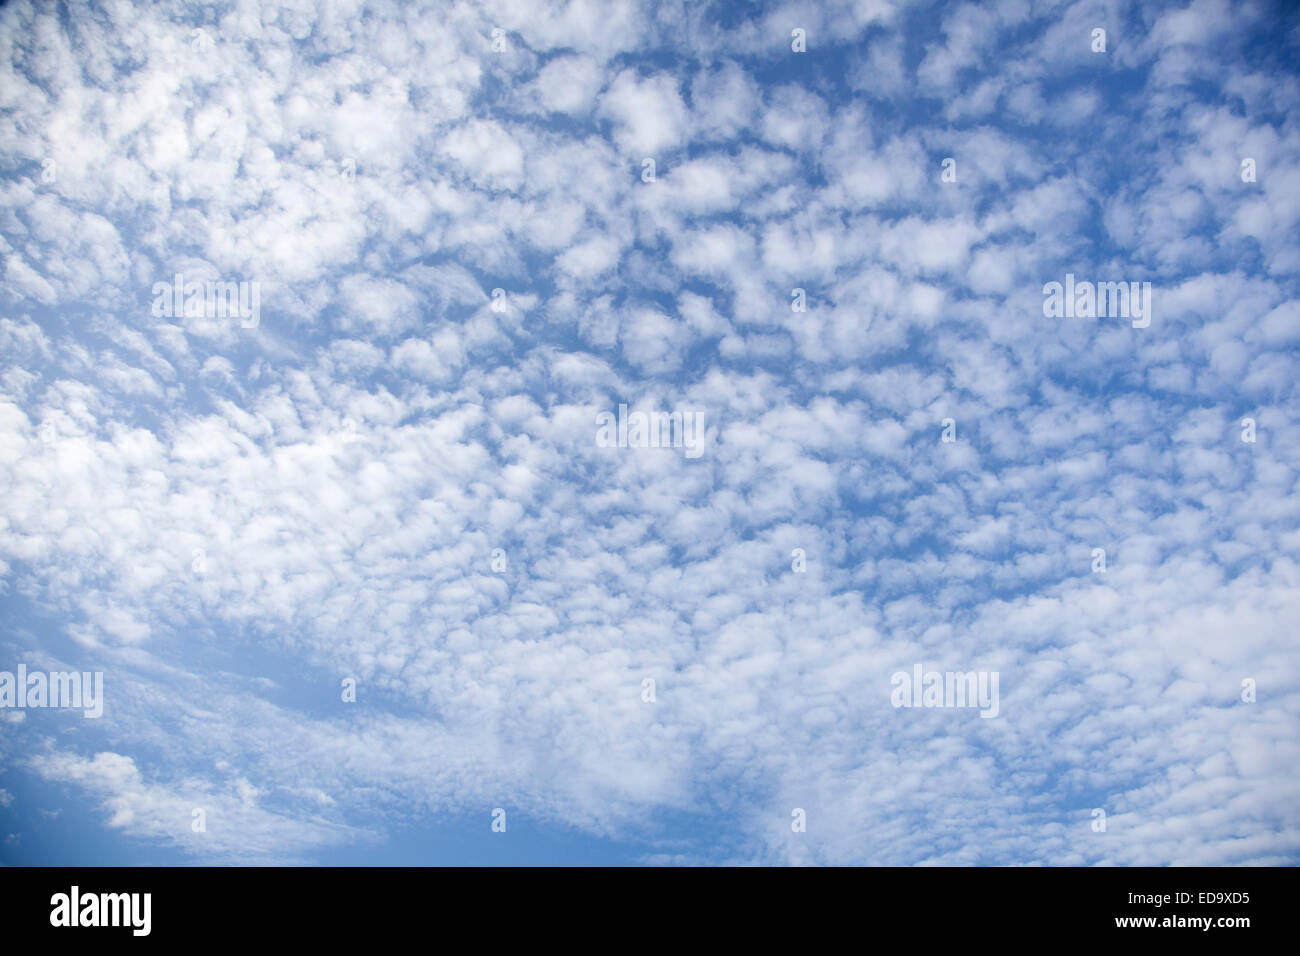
(331, 906)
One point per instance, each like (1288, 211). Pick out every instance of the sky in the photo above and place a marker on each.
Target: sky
(368, 585)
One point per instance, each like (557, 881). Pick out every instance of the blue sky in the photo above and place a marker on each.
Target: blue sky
(389, 473)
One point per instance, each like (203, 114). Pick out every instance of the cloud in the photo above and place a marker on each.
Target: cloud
(648, 114)
(395, 478)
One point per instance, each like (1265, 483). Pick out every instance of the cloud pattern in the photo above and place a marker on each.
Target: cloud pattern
(475, 226)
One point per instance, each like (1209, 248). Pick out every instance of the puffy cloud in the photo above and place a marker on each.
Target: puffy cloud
(396, 478)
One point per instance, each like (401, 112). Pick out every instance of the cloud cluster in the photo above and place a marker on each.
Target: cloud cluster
(464, 257)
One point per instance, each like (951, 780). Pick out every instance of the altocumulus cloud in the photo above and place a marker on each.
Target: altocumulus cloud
(362, 567)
